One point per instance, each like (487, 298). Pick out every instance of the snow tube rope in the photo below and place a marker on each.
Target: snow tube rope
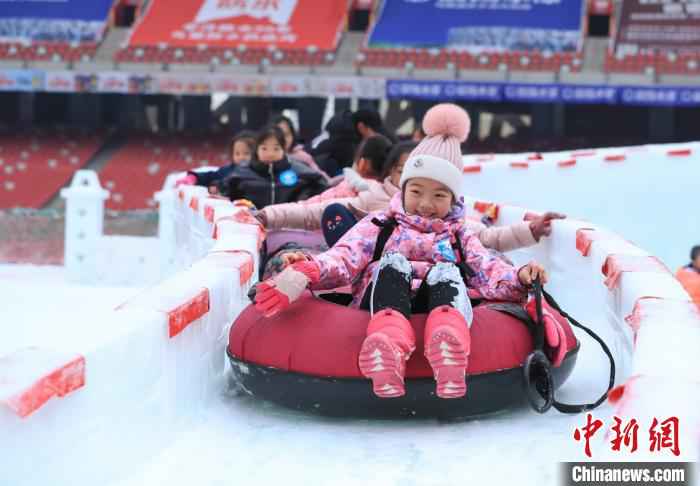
(538, 369)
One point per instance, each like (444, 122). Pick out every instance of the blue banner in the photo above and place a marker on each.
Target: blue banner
(553, 25)
(583, 95)
(56, 10)
(431, 90)
(666, 96)
(543, 93)
(484, 91)
(51, 20)
(21, 80)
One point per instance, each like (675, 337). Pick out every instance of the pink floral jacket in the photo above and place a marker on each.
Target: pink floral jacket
(424, 242)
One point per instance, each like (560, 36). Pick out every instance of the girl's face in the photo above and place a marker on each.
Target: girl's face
(270, 150)
(397, 170)
(288, 138)
(241, 152)
(427, 198)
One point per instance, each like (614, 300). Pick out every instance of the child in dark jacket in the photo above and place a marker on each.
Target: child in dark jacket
(271, 177)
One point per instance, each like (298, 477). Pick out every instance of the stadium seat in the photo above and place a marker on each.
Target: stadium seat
(138, 169)
(35, 166)
(47, 51)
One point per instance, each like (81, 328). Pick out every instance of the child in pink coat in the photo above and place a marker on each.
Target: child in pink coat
(367, 167)
(426, 264)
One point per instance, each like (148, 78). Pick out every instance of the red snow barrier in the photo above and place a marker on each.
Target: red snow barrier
(616, 265)
(194, 203)
(243, 217)
(679, 153)
(185, 314)
(241, 260)
(30, 377)
(584, 239)
(646, 306)
(567, 163)
(487, 208)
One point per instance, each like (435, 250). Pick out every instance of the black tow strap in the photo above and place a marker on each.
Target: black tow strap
(387, 228)
(537, 370)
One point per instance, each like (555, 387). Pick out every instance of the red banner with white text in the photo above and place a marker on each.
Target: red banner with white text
(286, 24)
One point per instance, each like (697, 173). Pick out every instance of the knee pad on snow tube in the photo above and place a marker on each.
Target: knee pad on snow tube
(306, 358)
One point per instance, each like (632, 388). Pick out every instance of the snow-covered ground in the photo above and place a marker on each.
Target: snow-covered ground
(40, 308)
(240, 438)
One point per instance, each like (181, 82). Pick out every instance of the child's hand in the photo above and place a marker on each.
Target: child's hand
(542, 225)
(530, 272)
(277, 293)
(293, 257)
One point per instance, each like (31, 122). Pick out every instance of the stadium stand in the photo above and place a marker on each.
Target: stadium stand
(654, 38)
(49, 51)
(52, 32)
(260, 32)
(217, 55)
(137, 170)
(33, 167)
(392, 41)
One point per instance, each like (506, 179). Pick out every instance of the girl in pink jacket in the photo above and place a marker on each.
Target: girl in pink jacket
(370, 159)
(426, 264)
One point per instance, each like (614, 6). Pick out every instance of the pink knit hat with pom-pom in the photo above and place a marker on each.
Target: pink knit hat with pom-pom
(439, 156)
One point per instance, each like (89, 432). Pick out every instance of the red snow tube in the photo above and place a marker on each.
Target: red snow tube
(306, 358)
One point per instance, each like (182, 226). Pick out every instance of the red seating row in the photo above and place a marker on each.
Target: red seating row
(48, 51)
(440, 58)
(207, 55)
(139, 169)
(661, 63)
(33, 168)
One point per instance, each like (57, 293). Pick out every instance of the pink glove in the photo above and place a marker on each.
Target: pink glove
(275, 294)
(188, 180)
(554, 334)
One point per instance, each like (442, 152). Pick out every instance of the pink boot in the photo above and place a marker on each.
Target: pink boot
(447, 349)
(389, 343)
